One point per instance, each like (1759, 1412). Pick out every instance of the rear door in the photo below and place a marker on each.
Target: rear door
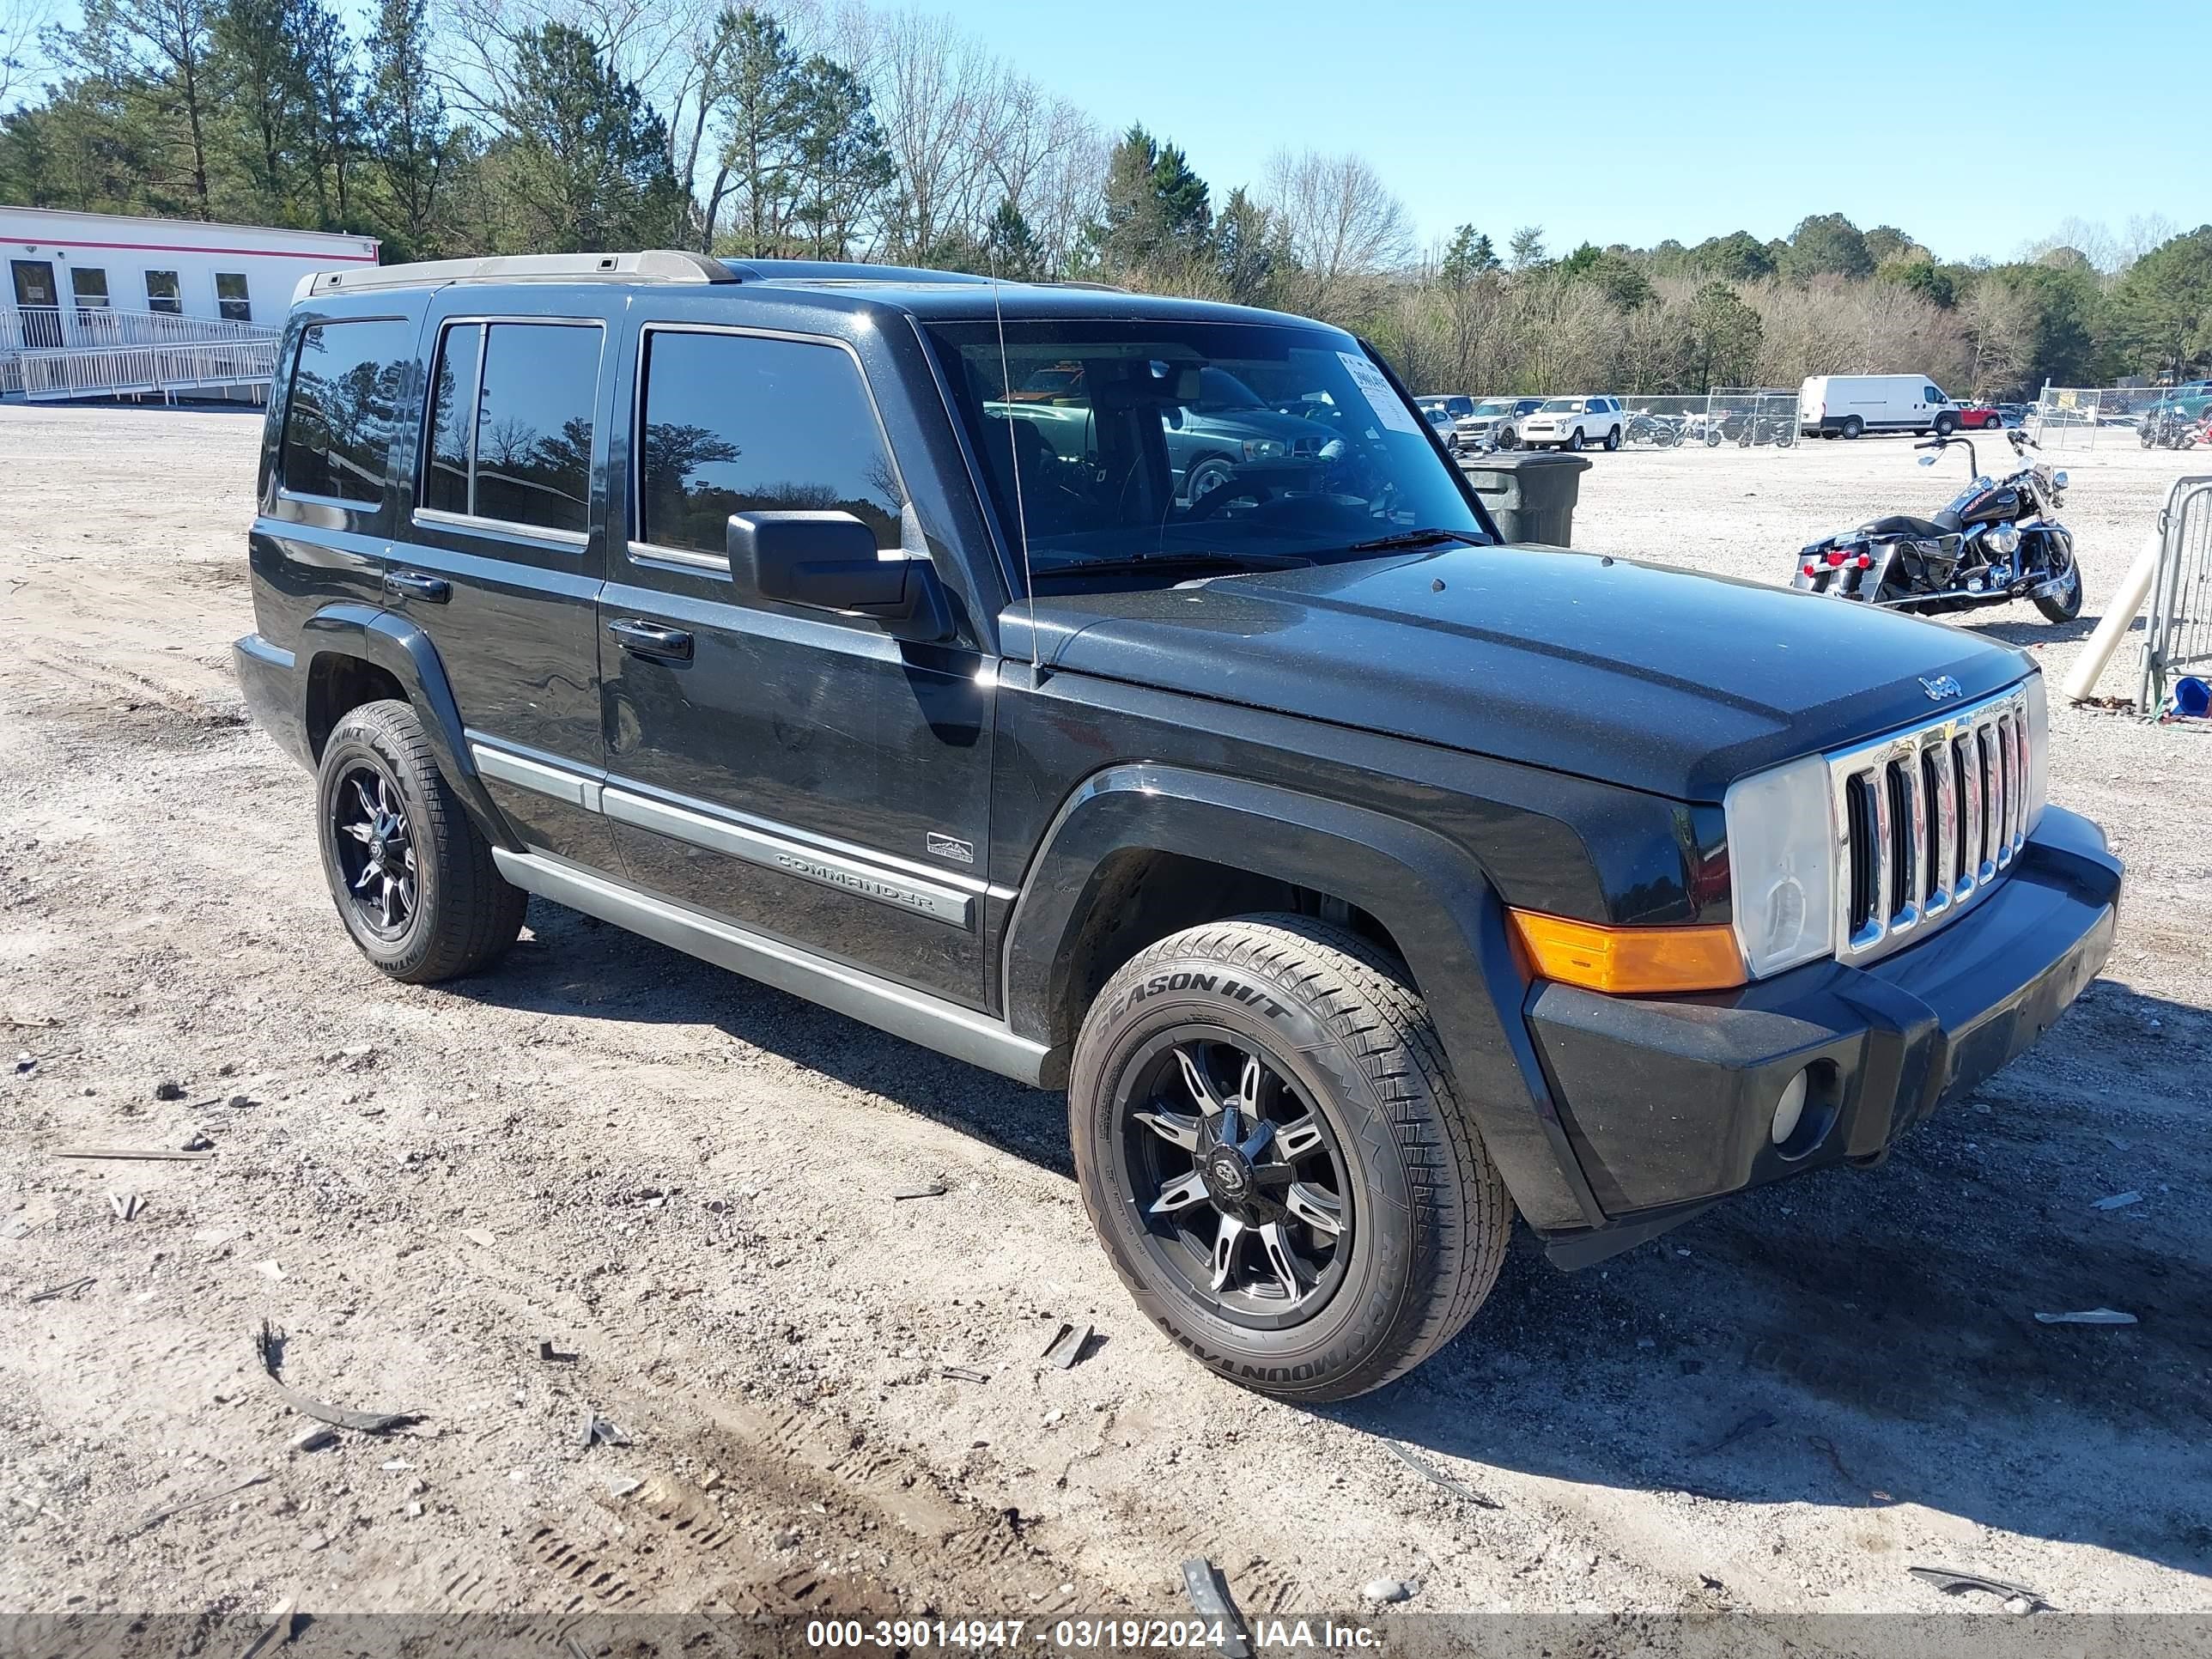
(802, 773)
(503, 546)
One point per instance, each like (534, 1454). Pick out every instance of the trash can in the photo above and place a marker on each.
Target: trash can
(1530, 492)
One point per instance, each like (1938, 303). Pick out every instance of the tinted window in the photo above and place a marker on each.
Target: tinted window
(737, 424)
(345, 396)
(452, 419)
(533, 426)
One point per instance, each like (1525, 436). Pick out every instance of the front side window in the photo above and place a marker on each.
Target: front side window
(231, 298)
(512, 408)
(1932, 395)
(344, 401)
(1177, 445)
(737, 423)
(163, 293)
(90, 286)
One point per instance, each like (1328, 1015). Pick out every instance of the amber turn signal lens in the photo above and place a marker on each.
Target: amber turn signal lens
(1629, 961)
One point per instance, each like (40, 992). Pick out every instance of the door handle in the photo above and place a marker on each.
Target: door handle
(644, 639)
(414, 585)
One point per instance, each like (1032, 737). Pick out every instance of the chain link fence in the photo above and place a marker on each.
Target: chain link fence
(2087, 416)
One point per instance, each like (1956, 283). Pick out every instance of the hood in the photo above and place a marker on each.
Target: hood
(1661, 679)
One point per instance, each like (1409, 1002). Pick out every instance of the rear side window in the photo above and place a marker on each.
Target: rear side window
(733, 423)
(344, 401)
(511, 417)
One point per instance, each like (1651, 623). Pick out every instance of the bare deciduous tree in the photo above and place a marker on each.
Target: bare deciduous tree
(21, 58)
(1346, 230)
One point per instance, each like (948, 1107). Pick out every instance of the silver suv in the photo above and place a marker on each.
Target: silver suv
(1495, 422)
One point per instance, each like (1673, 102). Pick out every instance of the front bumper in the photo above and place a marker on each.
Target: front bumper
(1668, 1103)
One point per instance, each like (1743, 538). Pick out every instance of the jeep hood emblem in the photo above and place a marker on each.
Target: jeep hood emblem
(1940, 687)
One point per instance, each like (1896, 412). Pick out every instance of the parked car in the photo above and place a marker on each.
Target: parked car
(1978, 415)
(1440, 418)
(1223, 430)
(1575, 423)
(1453, 404)
(2015, 413)
(1363, 882)
(1494, 423)
(1851, 405)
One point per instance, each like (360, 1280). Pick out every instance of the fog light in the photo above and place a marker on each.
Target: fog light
(1788, 1109)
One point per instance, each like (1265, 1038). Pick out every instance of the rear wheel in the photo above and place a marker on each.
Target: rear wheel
(1506, 438)
(1852, 426)
(1271, 1150)
(1612, 439)
(412, 877)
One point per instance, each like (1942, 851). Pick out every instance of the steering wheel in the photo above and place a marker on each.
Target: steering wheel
(1228, 490)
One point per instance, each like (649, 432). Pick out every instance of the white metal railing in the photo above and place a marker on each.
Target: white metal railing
(101, 371)
(50, 328)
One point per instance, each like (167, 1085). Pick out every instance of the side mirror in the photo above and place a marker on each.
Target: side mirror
(828, 561)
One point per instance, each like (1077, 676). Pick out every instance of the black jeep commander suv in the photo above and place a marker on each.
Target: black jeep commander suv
(1362, 880)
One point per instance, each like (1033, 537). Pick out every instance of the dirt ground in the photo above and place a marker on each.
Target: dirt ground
(687, 1181)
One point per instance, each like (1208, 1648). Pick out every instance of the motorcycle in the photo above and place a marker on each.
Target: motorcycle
(1998, 540)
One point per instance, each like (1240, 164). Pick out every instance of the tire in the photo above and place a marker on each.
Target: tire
(1612, 439)
(1575, 441)
(1945, 426)
(1505, 440)
(1852, 426)
(440, 909)
(1324, 1031)
(1785, 437)
(2064, 607)
(1210, 473)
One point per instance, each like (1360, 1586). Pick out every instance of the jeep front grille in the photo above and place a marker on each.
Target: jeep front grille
(1926, 822)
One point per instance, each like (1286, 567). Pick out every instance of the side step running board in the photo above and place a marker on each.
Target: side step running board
(963, 1033)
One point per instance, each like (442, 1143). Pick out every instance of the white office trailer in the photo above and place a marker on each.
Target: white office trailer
(100, 305)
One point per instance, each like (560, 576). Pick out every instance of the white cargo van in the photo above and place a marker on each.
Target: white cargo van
(1846, 405)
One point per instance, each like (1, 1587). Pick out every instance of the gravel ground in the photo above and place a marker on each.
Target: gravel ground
(687, 1181)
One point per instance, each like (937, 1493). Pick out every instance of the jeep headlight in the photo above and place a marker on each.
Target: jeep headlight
(1782, 866)
(2038, 751)
(1265, 449)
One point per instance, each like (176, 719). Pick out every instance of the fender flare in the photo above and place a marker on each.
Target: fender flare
(405, 652)
(1435, 902)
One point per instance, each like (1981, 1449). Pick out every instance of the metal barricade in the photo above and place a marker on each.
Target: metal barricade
(2179, 639)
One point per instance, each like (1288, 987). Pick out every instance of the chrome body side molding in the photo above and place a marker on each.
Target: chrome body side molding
(963, 1033)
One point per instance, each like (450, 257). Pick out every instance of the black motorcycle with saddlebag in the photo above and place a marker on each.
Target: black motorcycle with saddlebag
(1998, 540)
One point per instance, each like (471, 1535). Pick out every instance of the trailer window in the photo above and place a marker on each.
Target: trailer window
(231, 298)
(163, 293)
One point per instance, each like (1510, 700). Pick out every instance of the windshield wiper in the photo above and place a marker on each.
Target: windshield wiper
(1417, 539)
(1141, 563)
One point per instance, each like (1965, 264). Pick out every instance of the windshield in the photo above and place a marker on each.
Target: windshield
(1562, 407)
(1234, 443)
(1495, 406)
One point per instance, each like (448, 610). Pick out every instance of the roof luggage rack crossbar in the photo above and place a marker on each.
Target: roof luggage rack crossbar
(653, 265)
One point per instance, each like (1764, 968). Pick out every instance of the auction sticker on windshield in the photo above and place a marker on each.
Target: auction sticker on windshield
(1376, 390)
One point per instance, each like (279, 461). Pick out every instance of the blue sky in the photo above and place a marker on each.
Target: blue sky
(1973, 126)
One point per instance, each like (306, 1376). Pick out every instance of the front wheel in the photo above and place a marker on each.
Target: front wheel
(1574, 440)
(412, 876)
(2065, 605)
(1945, 425)
(1275, 1158)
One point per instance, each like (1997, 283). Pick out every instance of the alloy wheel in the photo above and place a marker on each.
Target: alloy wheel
(375, 849)
(1238, 1178)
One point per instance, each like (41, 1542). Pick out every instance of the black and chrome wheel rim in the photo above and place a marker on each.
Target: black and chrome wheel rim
(1237, 1177)
(375, 846)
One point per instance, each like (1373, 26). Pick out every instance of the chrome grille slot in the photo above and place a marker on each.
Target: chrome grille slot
(1925, 821)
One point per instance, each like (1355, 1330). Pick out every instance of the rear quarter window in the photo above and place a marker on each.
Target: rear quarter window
(342, 408)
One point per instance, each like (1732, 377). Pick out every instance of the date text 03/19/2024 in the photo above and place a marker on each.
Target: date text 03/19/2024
(1086, 1635)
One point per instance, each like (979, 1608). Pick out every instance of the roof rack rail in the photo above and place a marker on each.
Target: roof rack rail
(653, 265)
